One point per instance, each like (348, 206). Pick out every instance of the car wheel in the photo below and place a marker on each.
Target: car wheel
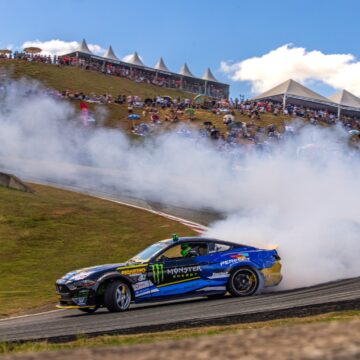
(89, 310)
(117, 296)
(243, 282)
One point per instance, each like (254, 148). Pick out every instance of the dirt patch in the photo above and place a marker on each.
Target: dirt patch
(335, 340)
(62, 212)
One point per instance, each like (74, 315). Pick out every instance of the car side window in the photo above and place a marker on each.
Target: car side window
(172, 253)
(218, 247)
(184, 250)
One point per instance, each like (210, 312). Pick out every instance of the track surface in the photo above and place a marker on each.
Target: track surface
(66, 325)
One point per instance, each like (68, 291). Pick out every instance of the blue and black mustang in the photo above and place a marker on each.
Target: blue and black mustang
(169, 269)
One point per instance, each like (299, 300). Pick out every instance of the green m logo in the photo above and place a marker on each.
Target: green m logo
(158, 272)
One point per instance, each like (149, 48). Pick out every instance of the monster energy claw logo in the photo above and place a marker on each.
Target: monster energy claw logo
(158, 272)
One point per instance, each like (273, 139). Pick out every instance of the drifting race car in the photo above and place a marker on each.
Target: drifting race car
(169, 269)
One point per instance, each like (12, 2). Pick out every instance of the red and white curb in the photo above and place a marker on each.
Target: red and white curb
(199, 228)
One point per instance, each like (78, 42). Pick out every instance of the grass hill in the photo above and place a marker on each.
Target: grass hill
(46, 234)
(77, 80)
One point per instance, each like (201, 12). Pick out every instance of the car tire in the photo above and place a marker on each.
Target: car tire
(243, 282)
(117, 296)
(89, 310)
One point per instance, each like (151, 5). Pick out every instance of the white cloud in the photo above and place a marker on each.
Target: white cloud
(336, 70)
(60, 47)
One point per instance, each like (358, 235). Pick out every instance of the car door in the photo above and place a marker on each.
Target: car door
(217, 275)
(175, 275)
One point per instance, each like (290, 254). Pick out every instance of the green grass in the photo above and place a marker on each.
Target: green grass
(121, 340)
(44, 235)
(75, 79)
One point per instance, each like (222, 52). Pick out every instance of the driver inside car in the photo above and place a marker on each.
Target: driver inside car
(188, 251)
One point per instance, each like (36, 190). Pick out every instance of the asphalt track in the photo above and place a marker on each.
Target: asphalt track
(65, 325)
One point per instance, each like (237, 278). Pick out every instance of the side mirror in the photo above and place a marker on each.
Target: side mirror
(162, 258)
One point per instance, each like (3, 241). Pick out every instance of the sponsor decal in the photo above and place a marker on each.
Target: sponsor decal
(165, 276)
(183, 272)
(142, 285)
(81, 276)
(137, 271)
(219, 275)
(235, 258)
(239, 256)
(80, 301)
(142, 277)
(158, 272)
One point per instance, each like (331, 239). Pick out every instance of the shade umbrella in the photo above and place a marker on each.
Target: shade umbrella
(199, 98)
(32, 50)
(354, 132)
(133, 117)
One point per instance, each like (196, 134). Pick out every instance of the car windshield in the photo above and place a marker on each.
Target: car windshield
(149, 252)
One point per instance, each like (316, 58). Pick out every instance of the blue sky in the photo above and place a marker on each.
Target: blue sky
(201, 32)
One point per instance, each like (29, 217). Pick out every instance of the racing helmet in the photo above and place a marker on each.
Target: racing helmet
(185, 249)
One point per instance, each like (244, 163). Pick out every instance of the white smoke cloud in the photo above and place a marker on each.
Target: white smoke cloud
(336, 70)
(304, 200)
(60, 47)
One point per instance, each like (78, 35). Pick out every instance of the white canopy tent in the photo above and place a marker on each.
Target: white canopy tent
(295, 91)
(345, 100)
(83, 47)
(109, 54)
(134, 59)
(208, 76)
(185, 71)
(160, 65)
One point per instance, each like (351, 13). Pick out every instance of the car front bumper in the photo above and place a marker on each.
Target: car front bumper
(75, 299)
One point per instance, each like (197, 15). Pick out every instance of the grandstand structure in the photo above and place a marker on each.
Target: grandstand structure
(133, 68)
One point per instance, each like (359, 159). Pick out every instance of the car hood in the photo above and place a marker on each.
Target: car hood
(92, 272)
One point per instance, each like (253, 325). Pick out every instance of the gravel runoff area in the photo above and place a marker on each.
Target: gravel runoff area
(331, 340)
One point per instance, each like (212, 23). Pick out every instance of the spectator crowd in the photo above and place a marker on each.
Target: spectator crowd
(157, 111)
(136, 74)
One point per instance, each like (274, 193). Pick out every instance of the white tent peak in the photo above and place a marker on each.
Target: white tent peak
(345, 98)
(83, 48)
(160, 65)
(109, 54)
(291, 87)
(184, 70)
(208, 75)
(134, 59)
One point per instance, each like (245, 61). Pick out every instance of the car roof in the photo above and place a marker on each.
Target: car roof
(188, 239)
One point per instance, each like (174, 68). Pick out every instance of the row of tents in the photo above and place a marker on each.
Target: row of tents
(134, 59)
(291, 91)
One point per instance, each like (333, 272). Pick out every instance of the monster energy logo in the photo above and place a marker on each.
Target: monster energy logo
(158, 271)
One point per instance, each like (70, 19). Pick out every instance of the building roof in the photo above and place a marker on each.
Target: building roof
(83, 48)
(160, 65)
(134, 59)
(292, 89)
(184, 70)
(109, 54)
(208, 76)
(345, 98)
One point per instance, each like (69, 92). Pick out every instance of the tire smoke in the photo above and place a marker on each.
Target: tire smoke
(301, 196)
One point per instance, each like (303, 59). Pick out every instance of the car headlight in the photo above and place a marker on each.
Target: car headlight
(83, 283)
